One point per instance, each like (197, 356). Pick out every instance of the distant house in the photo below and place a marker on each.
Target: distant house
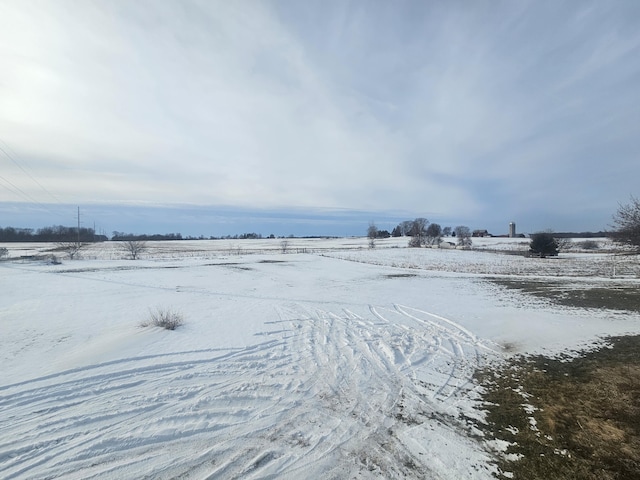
(480, 233)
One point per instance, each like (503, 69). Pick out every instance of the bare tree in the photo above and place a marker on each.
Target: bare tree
(372, 234)
(419, 226)
(433, 234)
(70, 248)
(463, 234)
(418, 232)
(284, 245)
(134, 248)
(405, 227)
(627, 225)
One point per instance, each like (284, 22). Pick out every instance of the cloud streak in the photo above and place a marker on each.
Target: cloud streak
(464, 110)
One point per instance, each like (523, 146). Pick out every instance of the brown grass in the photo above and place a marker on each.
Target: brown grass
(613, 296)
(587, 414)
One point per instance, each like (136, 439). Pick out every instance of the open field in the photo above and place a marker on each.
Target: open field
(327, 360)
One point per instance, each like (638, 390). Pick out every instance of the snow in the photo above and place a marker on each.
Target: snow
(329, 361)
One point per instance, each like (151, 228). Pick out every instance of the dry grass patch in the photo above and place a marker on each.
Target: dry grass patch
(163, 317)
(612, 296)
(570, 418)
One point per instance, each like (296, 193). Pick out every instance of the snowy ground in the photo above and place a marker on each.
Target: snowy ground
(328, 361)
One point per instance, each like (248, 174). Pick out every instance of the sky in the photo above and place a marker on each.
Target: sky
(318, 117)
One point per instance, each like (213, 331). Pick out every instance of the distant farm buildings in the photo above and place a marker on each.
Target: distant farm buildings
(512, 233)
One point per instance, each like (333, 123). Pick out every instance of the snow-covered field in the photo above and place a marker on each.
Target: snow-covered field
(330, 360)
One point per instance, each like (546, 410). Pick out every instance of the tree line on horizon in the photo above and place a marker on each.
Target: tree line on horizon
(62, 234)
(55, 234)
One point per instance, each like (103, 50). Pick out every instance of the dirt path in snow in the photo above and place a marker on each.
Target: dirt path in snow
(327, 395)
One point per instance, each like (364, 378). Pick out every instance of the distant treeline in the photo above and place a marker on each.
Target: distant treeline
(581, 234)
(121, 236)
(61, 234)
(56, 233)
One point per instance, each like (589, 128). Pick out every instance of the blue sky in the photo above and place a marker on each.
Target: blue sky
(217, 117)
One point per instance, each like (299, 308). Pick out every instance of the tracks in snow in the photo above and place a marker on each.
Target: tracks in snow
(326, 396)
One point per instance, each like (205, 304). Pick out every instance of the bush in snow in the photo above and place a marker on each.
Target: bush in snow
(4, 252)
(589, 245)
(543, 244)
(163, 317)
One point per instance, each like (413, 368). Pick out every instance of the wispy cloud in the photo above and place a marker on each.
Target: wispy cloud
(462, 110)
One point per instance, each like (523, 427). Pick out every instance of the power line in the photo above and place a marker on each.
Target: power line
(17, 190)
(13, 159)
(14, 189)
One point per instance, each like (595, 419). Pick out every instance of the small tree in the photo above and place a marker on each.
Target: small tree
(463, 236)
(627, 225)
(70, 248)
(543, 244)
(4, 252)
(284, 245)
(372, 234)
(134, 248)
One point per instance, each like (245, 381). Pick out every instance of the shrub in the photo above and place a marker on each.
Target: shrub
(163, 317)
(543, 244)
(589, 245)
(4, 252)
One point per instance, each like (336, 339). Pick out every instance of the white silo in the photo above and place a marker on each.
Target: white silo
(512, 230)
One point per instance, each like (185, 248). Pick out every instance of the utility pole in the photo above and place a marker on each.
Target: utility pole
(78, 225)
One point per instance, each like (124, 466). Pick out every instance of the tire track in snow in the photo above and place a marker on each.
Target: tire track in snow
(326, 398)
(466, 353)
